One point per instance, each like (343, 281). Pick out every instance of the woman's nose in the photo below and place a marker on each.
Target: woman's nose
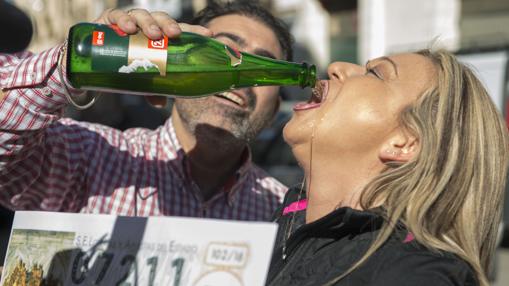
(342, 70)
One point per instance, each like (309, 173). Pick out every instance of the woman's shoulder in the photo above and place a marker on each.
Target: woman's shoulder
(408, 262)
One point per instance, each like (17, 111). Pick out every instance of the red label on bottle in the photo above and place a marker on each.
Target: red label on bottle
(161, 44)
(117, 30)
(98, 38)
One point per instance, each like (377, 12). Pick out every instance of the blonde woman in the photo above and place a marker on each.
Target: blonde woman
(405, 162)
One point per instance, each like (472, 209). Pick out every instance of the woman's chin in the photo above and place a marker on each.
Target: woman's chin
(286, 136)
(296, 133)
(297, 142)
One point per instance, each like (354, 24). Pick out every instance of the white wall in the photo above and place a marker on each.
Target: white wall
(310, 27)
(491, 68)
(391, 26)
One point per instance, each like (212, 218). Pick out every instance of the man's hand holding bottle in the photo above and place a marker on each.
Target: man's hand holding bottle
(152, 24)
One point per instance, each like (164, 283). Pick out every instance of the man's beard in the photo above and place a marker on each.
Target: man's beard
(237, 125)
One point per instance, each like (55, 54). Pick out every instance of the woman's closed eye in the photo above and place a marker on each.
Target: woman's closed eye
(374, 72)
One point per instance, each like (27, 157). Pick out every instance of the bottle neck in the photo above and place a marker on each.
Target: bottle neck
(309, 76)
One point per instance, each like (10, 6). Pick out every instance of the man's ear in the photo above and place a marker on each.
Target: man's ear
(400, 147)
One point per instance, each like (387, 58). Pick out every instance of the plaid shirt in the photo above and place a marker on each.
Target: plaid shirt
(57, 164)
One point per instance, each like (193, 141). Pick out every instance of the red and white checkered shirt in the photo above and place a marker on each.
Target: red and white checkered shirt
(56, 164)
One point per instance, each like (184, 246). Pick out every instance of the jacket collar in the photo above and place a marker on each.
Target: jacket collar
(355, 221)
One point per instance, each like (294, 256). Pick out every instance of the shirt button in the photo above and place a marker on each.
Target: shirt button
(32, 76)
(47, 92)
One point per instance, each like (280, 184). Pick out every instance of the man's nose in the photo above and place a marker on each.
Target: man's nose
(342, 70)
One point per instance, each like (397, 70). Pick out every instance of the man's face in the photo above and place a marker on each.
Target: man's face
(242, 112)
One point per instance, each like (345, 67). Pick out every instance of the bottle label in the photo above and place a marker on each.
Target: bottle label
(115, 51)
(146, 53)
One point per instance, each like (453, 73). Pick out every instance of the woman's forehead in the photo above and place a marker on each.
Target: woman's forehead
(415, 67)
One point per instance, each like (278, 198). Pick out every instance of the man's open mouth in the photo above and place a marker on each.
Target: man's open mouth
(233, 97)
(318, 96)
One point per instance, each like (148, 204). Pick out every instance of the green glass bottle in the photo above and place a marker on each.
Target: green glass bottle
(102, 57)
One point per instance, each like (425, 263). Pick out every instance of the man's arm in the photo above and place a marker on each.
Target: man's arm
(43, 160)
(35, 168)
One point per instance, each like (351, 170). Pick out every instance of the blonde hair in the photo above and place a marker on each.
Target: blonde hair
(450, 196)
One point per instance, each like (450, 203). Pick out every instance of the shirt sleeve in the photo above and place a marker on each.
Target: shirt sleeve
(425, 270)
(41, 161)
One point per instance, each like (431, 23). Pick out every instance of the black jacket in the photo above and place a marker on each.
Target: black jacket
(316, 253)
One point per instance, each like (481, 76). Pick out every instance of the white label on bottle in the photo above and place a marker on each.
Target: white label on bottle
(146, 53)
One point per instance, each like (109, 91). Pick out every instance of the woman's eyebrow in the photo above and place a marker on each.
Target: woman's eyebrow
(394, 65)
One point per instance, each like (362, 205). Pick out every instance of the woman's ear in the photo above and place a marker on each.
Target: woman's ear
(400, 147)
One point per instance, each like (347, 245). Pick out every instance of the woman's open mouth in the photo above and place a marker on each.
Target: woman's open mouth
(318, 97)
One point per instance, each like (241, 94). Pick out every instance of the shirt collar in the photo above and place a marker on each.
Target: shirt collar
(172, 134)
(232, 185)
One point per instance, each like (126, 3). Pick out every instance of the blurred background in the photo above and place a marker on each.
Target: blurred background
(324, 31)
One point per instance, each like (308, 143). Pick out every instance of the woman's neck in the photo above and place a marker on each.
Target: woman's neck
(331, 185)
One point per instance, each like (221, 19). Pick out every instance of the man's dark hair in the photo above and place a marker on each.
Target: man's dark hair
(15, 28)
(250, 9)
